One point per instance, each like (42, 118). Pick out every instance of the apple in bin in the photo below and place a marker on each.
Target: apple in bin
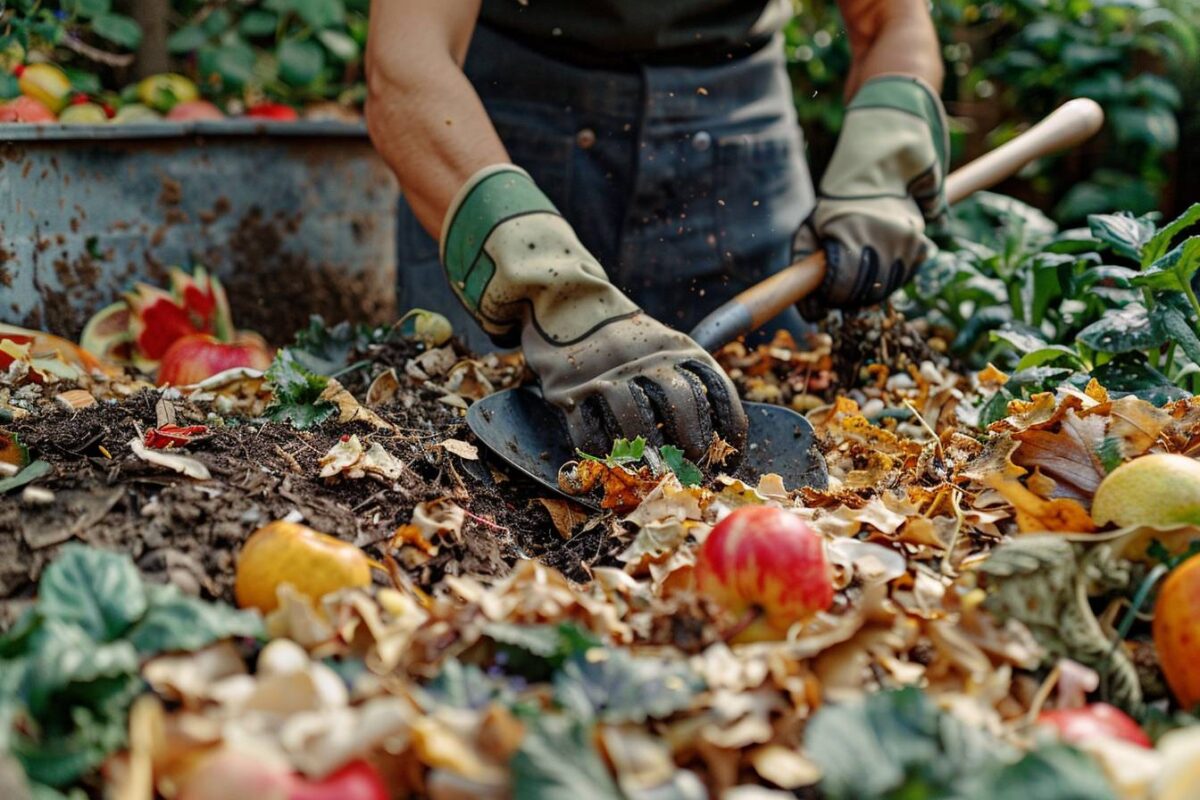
(197, 356)
(767, 561)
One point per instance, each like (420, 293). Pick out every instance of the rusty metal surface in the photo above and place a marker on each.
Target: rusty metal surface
(296, 218)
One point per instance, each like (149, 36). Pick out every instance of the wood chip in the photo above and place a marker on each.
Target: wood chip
(75, 399)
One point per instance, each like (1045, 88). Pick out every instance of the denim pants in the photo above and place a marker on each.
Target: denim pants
(686, 183)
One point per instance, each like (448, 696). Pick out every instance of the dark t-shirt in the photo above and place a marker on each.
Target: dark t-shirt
(629, 32)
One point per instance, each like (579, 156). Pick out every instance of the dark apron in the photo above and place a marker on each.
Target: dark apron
(686, 183)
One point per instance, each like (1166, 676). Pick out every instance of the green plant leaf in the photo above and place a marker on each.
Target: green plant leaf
(296, 393)
(187, 39)
(1051, 771)
(1049, 354)
(687, 472)
(1124, 232)
(1177, 328)
(118, 29)
(68, 667)
(339, 45)
(1154, 127)
(461, 685)
(1173, 270)
(87, 8)
(98, 590)
(234, 63)
(1122, 330)
(216, 22)
(256, 22)
(31, 473)
(177, 622)
(300, 63)
(320, 14)
(1130, 373)
(615, 687)
(624, 451)
(912, 749)
(557, 760)
(1161, 242)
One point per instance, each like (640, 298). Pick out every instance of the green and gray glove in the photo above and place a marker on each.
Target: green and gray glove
(521, 271)
(884, 183)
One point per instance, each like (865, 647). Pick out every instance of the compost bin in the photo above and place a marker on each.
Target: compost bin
(296, 218)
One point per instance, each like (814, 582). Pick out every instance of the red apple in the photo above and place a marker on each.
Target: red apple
(767, 560)
(197, 356)
(273, 111)
(25, 109)
(194, 110)
(1076, 725)
(230, 775)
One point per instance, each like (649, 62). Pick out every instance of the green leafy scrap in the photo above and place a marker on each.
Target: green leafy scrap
(687, 472)
(624, 451)
(915, 750)
(614, 687)
(296, 393)
(558, 760)
(325, 350)
(69, 667)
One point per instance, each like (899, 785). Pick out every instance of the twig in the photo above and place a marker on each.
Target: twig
(95, 54)
(937, 440)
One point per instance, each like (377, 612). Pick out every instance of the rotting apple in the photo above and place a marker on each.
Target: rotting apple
(277, 112)
(197, 356)
(1176, 630)
(767, 567)
(314, 563)
(1077, 725)
(166, 91)
(26, 109)
(1155, 489)
(85, 113)
(231, 775)
(194, 111)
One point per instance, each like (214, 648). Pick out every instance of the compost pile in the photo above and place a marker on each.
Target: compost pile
(467, 633)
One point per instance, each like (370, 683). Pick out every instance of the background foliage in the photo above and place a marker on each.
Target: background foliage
(1010, 63)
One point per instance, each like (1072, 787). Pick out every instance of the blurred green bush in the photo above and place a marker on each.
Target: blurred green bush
(1010, 63)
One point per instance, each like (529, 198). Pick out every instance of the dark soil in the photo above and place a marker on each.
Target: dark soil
(189, 532)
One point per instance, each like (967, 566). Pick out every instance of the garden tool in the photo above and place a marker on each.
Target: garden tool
(527, 432)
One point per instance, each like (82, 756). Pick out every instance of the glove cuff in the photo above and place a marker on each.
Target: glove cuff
(489, 197)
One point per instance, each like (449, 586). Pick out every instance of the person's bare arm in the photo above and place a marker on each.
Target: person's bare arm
(893, 37)
(424, 116)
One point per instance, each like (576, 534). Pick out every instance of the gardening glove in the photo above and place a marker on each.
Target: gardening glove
(521, 271)
(885, 182)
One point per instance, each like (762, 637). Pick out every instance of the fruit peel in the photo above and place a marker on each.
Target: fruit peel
(1176, 631)
(198, 356)
(46, 84)
(1157, 489)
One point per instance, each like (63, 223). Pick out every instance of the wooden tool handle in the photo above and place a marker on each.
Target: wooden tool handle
(1071, 123)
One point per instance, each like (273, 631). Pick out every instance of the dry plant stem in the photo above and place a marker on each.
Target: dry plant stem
(1043, 694)
(956, 499)
(751, 616)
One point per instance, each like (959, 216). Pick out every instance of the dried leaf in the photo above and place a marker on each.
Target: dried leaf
(458, 447)
(383, 389)
(349, 409)
(1067, 455)
(565, 515)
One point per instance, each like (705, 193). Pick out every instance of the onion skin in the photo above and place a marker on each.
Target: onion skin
(765, 558)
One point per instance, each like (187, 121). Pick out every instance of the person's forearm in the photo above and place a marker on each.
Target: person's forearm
(891, 37)
(423, 115)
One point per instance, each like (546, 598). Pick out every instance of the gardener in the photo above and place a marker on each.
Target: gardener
(601, 173)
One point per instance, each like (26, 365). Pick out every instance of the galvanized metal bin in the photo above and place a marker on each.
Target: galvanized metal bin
(296, 218)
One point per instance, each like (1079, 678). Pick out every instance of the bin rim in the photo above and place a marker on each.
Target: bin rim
(166, 129)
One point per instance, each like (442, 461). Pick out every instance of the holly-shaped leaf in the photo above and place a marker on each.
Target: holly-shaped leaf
(99, 591)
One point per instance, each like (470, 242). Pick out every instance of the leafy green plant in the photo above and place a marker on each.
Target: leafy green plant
(916, 750)
(291, 50)
(1011, 63)
(87, 38)
(69, 668)
(297, 393)
(1113, 302)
